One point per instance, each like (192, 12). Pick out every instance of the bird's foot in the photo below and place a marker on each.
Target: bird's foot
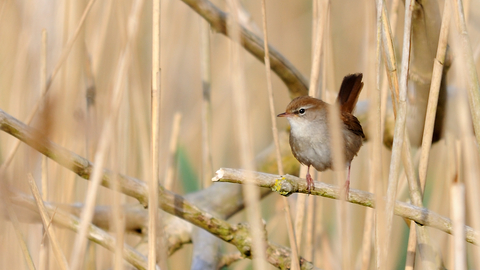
(347, 189)
(310, 184)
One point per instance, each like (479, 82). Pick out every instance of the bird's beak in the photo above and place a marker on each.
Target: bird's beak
(284, 114)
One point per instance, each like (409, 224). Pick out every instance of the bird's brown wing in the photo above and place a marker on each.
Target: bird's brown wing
(353, 123)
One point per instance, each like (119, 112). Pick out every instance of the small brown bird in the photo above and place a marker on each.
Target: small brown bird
(310, 135)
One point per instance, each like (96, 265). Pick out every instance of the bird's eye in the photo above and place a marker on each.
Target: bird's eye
(301, 111)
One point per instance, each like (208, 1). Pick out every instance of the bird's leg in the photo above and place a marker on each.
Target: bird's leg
(310, 184)
(347, 183)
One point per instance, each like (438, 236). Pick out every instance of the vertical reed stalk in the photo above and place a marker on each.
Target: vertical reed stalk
(469, 74)
(250, 191)
(43, 261)
(288, 216)
(170, 168)
(458, 220)
(472, 78)
(106, 133)
(155, 137)
(399, 132)
(376, 145)
(207, 163)
(438, 66)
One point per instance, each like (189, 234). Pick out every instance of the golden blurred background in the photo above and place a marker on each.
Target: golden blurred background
(79, 103)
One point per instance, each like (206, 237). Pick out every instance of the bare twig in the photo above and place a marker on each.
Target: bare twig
(228, 259)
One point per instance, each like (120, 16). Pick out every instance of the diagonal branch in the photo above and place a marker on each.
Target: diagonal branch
(288, 184)
(238, 235)
(296, 83)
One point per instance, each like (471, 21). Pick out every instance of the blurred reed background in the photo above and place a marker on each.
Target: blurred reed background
(79, 102)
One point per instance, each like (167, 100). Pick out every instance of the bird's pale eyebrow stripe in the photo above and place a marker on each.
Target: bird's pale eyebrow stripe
(306, 107)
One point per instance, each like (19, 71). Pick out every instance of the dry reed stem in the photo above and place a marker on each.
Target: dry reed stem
(428, 255)
(411, 247)
(153, 230)
(317, 36)
(309, 246)
(117, 213)
(458, 223)
(310, 229)
(104, 143)
(250, 192)
(177, 118)
(95, 234)
(288, 184)
(336, 139)
(417, 192)
(399, 132)
(382, 30)
(390, 58)
(118, 163)
(68, 47)
(318, 252)
(318, 27)
(206, 73)
(394, 18)
(62, 262)
(469, 163)
(300, 211)
(472, 77)
(470, 157)
(367, 240)
(300, 205)
(201, 257)
(271, 103)
(43, 260)
(388, 33)
(21, 241)
(414, 187)
(286, 206)
(433, 96)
